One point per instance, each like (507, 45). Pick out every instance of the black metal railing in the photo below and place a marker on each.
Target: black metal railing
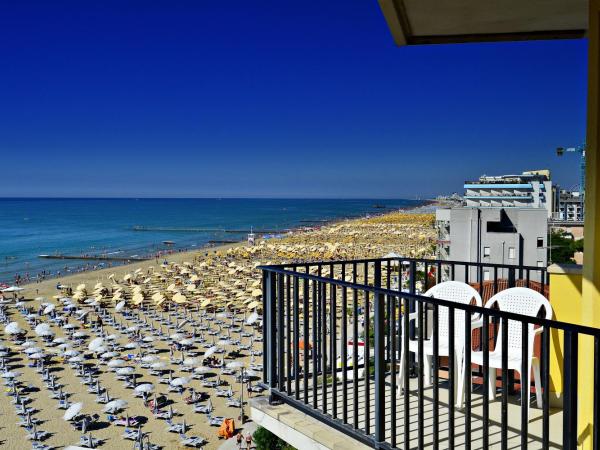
(311, 317)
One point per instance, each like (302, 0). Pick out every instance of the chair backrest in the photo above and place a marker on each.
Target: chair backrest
(524, 301)
(457, 292)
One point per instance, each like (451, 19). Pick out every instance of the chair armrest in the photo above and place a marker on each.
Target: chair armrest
(538, 331)
(478, 323)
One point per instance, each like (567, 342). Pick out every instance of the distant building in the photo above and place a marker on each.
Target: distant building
(532, 189)
(510, 236)
(569, 206)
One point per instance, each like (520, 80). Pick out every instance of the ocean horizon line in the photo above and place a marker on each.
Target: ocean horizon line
(212, 198)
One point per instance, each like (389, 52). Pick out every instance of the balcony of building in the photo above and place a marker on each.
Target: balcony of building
(321, 317)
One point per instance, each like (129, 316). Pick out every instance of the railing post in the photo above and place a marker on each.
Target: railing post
(265, 281)
(511, 277)
(412, 286)
(570, 395)
(379, 306)
(271, 336)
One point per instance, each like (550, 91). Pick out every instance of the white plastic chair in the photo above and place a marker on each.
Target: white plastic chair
(350, 361)
(453, 291)
(523, 301)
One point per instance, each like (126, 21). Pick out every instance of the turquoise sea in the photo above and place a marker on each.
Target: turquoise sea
(30, 227)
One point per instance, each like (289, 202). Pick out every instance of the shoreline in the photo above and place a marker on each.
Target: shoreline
(176, 254)
(180, 256)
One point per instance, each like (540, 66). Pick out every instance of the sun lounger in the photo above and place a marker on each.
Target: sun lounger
(193, 442)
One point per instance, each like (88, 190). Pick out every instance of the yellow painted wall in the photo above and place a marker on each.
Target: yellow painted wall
(565, 298)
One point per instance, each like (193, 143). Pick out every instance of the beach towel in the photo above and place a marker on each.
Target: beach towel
(226, 429)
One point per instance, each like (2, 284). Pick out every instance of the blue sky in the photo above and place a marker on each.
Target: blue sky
(269, 98)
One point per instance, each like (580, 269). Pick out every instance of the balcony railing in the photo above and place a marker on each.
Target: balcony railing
(312, 339)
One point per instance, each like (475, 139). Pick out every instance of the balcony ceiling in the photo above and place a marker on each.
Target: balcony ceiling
(454, 21)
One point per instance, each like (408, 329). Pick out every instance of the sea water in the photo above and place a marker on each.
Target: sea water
(31, 227)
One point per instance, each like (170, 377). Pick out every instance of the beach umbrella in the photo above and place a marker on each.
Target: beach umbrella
(13, 289)
(75, 359)
(11, 374)
(70, 353)
(43, 329)
(149, 358)
(256, 293)
(178, 382)
(125, 371)
(235, 365)
(158, 365)
(48, 309)
(210, 351)
(79, 334)
(202, 370)
(116, 363)
(179, 298)
(13, 328)
(108, 355)
(115, 405)
(36, 356)
(30, 350)
(187, 342)
(120, 306)
(144, 388)
(100, 350)
(96, 344)
(72, 411)
(190, 362)
(252, 319)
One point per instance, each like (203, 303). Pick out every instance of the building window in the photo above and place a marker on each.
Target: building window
(511, 253)
(486, 251)
(486, 275)
(540, 242)
(540, 263)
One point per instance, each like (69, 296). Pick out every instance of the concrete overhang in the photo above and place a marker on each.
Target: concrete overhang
(414, 22)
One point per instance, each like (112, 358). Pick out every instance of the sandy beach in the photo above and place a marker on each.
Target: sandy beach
(214, 290)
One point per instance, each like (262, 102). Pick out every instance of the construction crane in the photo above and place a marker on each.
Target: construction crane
(560, 151)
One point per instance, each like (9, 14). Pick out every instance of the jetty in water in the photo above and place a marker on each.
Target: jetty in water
(204, 230)
(95, 257)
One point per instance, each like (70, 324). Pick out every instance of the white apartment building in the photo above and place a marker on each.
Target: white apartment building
(532, 189)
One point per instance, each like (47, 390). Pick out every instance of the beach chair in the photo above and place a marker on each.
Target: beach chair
(215, 421)
(220, 392)
(234, 402)
(193, 442)
(130, 434)
(526, 302)
(452, 291)
(179, 428)
(203, 409)
(39, 446)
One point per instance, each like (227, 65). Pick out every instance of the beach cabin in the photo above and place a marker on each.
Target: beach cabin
(451, 360)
